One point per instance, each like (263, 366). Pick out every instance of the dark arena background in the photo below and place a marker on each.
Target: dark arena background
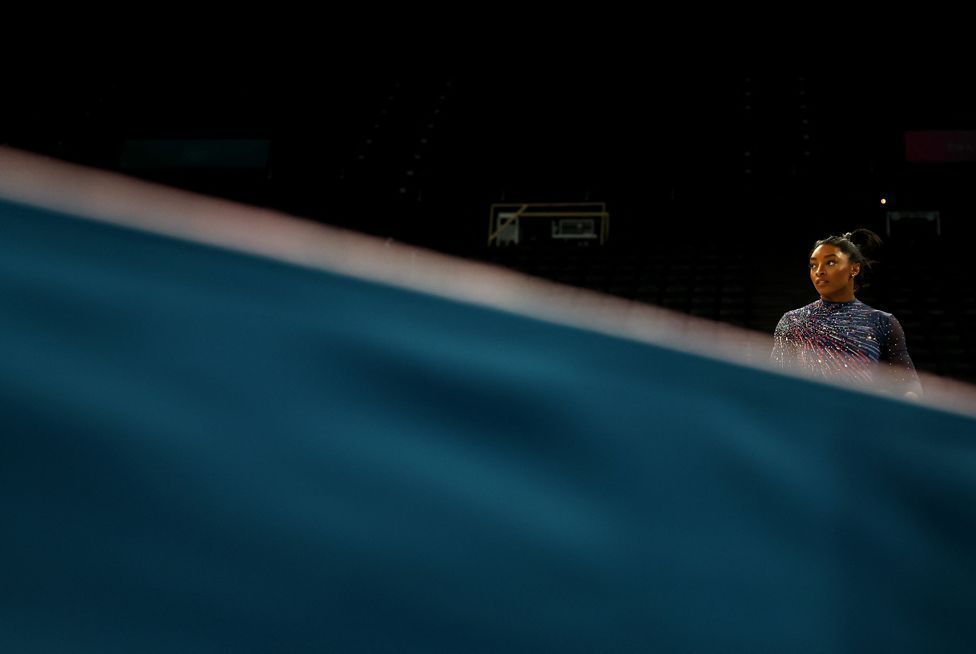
(478, 360)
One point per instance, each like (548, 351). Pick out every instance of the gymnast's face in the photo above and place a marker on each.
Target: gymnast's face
(831, 273)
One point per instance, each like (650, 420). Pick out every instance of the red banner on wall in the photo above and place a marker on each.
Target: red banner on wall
(940, 146)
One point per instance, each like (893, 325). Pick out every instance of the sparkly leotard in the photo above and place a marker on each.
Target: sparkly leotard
(845, 340)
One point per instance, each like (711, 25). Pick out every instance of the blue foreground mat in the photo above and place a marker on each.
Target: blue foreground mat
(207, 451)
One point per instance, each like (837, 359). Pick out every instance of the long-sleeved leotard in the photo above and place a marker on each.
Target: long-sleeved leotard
(845, 340)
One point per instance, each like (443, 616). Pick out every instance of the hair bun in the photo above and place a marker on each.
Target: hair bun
(866, 241)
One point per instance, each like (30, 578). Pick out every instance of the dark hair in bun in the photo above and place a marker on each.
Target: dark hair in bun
(860, 245)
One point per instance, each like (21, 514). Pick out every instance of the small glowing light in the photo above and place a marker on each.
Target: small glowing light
(884, 201)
